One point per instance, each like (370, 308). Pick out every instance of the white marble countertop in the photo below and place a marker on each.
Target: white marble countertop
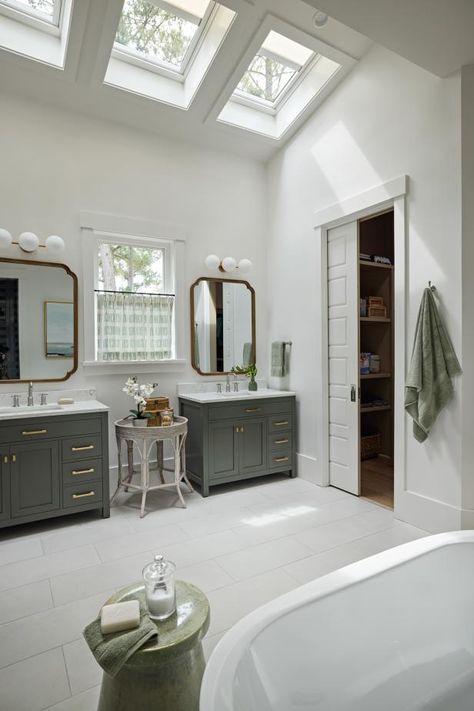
(51, 410)
(211, 397)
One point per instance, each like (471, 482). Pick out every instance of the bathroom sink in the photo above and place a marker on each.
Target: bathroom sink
(240, 394)
(30, 408)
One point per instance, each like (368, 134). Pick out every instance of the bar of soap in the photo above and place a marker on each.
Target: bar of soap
(66, 401)
(120, 616)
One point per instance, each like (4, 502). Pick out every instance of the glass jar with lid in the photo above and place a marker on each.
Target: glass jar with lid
(160, 588)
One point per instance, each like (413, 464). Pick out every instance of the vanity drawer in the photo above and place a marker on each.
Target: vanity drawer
(53, 427)
(280, 441)
(280, 460)
(78, 472)
(81, 494)
(81, 447)
(280, 422)
(249, 408)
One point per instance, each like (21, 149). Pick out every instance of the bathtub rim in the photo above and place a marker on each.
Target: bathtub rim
(222, 663)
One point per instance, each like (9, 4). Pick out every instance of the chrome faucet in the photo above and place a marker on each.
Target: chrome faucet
(219, 388)
(236, 384)
(30, 400)
(227, 383)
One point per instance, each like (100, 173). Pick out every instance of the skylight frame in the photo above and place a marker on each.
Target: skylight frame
(132, 56)
(272, 107)
(35, 18)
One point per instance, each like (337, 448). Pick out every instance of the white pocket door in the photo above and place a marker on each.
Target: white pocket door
(343, 308)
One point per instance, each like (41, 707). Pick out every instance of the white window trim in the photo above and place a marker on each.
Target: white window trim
(36, 18)
(126, 54)
(99, 226)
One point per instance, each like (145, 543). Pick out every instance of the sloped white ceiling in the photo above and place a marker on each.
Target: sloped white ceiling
(80, 86)
(438, 35)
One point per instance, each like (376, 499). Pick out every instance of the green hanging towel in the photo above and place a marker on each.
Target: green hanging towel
(428, 386)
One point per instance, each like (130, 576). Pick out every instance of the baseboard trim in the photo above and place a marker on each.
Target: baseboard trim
(430, 514)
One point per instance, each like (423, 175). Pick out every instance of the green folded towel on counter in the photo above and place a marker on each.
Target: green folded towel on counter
(279, 360)
(428, 386)
(113, 650)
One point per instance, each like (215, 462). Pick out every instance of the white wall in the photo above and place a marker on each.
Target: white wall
(55, 164)
(387, 119)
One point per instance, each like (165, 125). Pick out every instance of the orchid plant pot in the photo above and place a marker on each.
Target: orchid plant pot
(140, 422)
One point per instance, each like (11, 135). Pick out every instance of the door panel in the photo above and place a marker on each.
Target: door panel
(35, 478)
(223, 452)
(4, 486)
(252, 446)
(343, 307)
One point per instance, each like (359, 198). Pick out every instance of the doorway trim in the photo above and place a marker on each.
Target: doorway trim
(389, 195)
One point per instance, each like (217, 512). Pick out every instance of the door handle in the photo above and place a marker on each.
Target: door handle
(353, 393)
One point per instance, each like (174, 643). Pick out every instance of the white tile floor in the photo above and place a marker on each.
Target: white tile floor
(244, 545)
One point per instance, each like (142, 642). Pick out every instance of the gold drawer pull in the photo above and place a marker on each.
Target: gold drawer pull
(279, 424)
(34, 432)
(82, 449)
(82, 496)
(75, 472)
(281, 441)
(280, 459)
(253, 409)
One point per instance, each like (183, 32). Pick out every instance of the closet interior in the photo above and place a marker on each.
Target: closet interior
(376, 329)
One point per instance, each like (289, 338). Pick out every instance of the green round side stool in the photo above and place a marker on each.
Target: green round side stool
(166, 673)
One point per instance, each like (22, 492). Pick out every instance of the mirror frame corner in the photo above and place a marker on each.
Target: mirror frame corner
(75, 287)
(191, 320)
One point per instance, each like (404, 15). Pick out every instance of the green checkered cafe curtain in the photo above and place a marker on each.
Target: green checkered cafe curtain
(134, 326)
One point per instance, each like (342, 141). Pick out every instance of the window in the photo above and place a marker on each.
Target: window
(134, 312)
(46, 10)
(163, 34)
(273, 71)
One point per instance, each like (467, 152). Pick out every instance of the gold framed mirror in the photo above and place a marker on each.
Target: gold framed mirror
(38, 321)
(222, 325)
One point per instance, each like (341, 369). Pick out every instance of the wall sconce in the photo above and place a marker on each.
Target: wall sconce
(228, 264)
(29, 242)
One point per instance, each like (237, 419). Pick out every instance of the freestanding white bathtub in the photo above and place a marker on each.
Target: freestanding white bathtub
(394, 632)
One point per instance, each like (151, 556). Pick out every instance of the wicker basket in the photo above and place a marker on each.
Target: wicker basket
(370, 446)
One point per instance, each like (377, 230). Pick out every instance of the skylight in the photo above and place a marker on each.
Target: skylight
(46, 10)
(274, 70)
(162, 33)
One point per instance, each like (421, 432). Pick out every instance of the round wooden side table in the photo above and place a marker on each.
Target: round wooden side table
(166, 673)
(143, 438)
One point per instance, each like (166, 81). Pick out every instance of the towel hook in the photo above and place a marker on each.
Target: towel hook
(431, 287)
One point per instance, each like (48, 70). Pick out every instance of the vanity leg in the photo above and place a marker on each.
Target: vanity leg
(292, 474)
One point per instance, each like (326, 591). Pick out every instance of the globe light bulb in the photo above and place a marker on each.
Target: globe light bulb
(28, 241)
(5, 238)
(212, 261)
(55, 244)
(229, 264)
(245, 265)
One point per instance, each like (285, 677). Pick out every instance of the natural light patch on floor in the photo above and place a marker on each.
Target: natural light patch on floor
(267, 519)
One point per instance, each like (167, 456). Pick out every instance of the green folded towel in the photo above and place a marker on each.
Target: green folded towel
(112, 650)
(279, 359)
(428, 386)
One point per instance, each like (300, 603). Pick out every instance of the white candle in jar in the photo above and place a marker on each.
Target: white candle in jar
(160, 602)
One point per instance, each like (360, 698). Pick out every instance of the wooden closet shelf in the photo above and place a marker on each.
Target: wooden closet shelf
(375, 376)
(377, 408)
(374, 319)
(376, 265)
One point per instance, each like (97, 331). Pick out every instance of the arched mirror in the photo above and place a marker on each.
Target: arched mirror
(222, 325)
(38, 321)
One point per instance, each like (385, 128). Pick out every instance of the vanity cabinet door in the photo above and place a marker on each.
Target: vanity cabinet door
(4, 486)
(35, 478)
(223, 450)
(252, 446)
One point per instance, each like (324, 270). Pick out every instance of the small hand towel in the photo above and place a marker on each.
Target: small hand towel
(112, 650)
(428, 386)
(247, 355)
(279, 360)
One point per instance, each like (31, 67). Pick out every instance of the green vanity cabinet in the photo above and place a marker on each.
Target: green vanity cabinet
(52, 466)
(235, 439)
